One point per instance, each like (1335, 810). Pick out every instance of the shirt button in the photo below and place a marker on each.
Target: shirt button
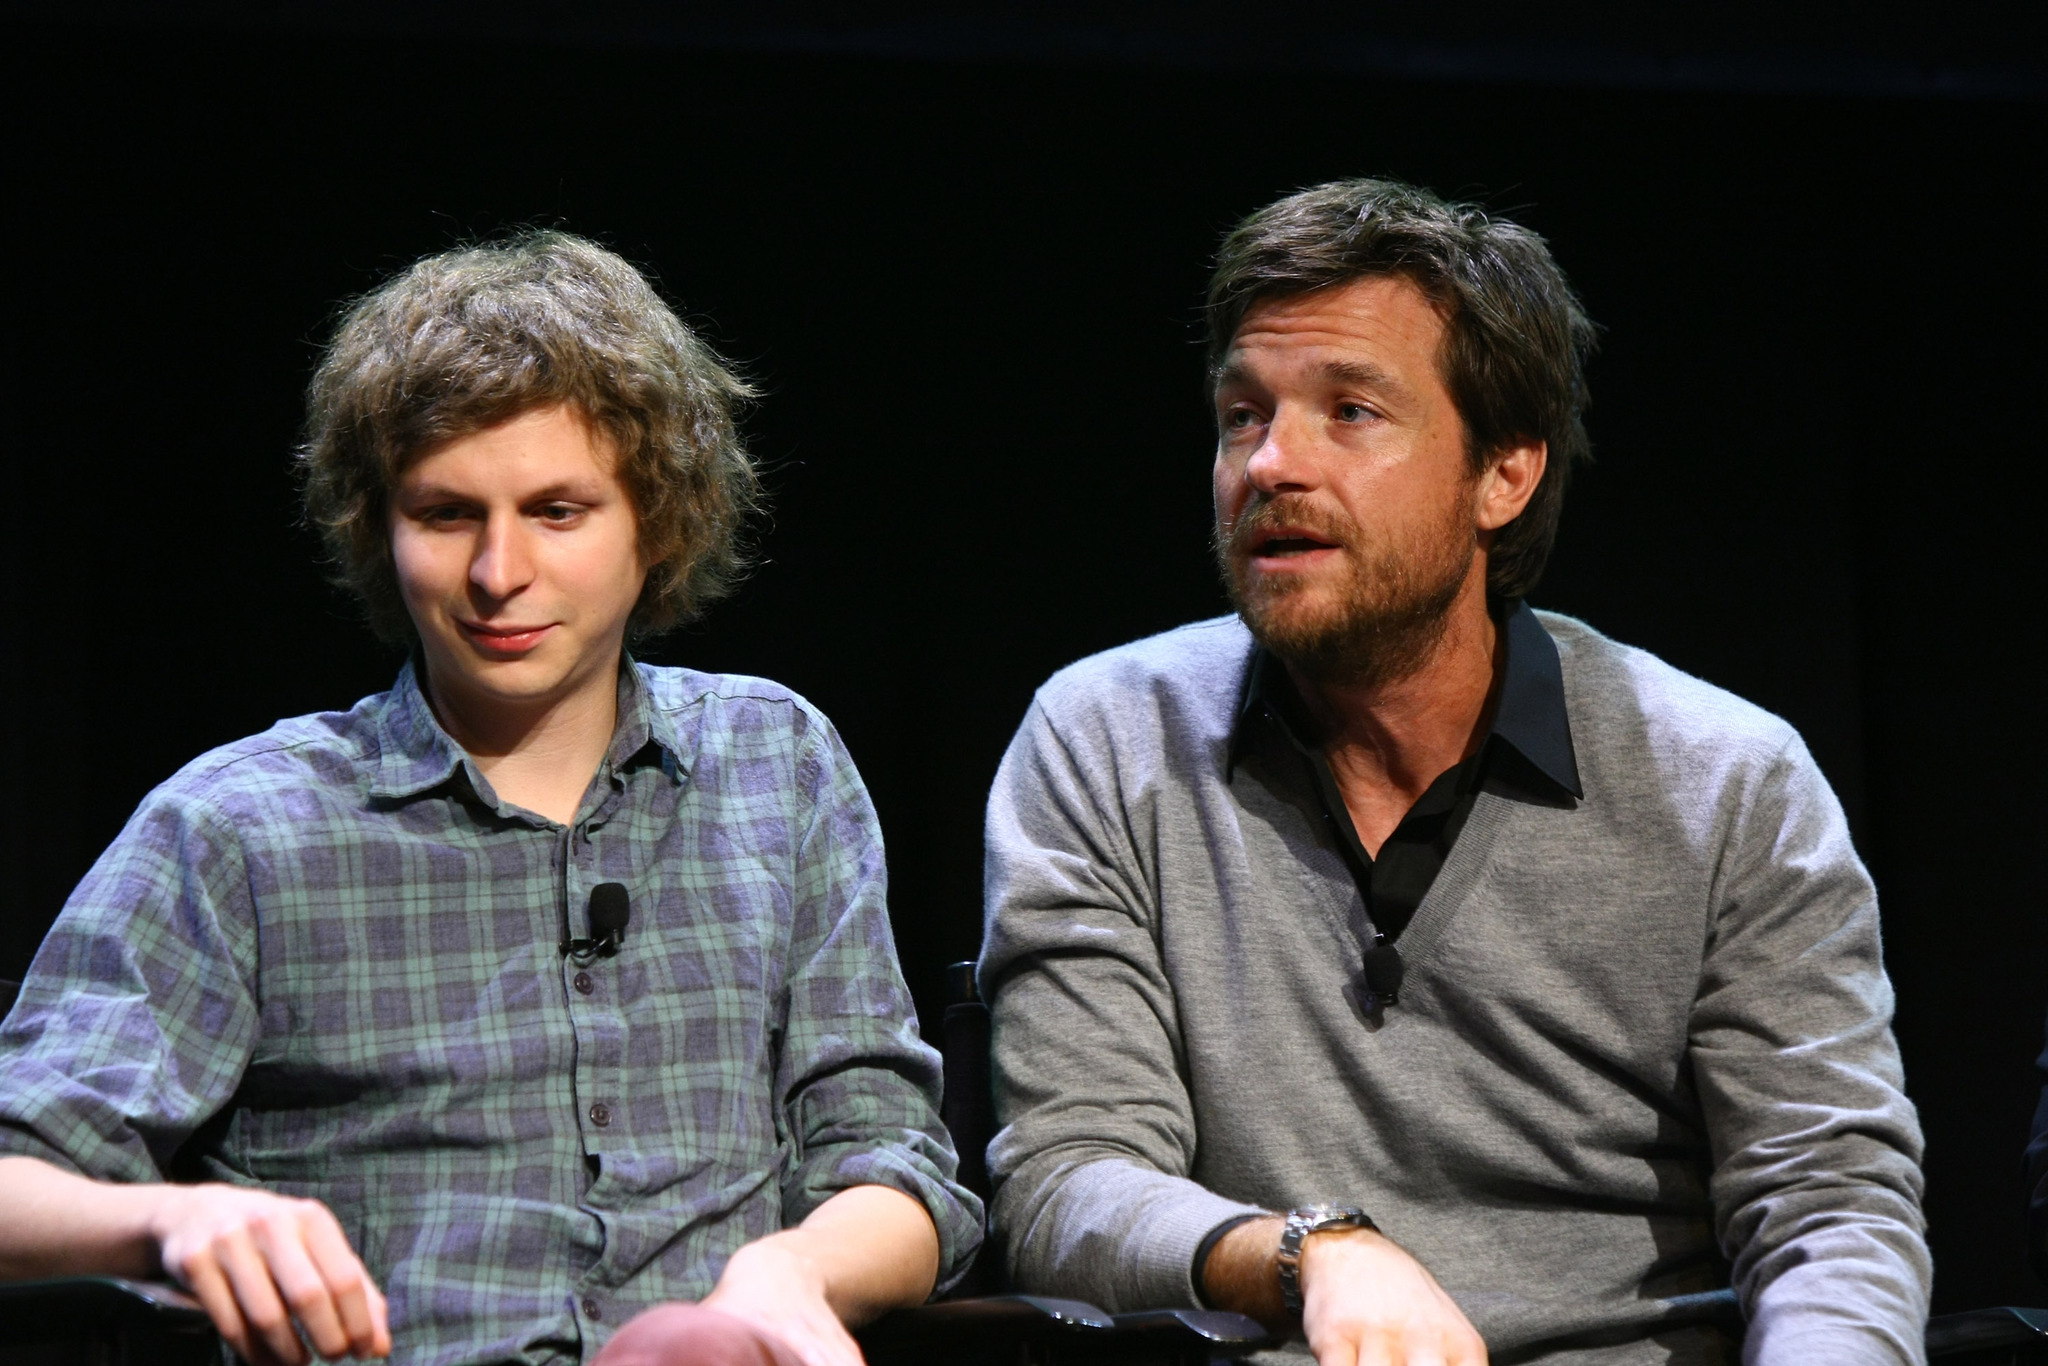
(584, 984)
(590, 1309)
(600, 1114)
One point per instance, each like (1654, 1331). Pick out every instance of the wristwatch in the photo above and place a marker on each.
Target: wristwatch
(1300, 1223)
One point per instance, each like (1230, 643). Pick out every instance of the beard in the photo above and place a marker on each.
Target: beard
(1386, 616)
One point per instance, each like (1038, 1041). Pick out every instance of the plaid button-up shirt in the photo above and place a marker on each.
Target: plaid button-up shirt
(327, 960)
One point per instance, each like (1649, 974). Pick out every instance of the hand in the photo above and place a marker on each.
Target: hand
(1366, 1302)
(775, 1285)
(259, 1262)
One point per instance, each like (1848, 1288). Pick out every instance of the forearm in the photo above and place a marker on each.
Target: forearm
(62, 1224)
(866, 1250)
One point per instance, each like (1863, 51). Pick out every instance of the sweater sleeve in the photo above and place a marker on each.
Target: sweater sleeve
(1816, 1150)
(1093, 1198)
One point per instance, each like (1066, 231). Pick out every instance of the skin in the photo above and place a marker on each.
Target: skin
(1343, 487)
(517, 551)
(518, 557)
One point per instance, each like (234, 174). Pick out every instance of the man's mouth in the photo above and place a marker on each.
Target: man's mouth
(504, 640)
(1288, 543)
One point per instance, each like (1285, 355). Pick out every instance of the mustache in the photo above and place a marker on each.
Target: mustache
(1290, 510)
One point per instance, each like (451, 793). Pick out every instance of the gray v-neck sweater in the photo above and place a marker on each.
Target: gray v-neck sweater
(1643, 1046)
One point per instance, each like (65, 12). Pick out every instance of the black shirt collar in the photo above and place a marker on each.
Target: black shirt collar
(1530, 717)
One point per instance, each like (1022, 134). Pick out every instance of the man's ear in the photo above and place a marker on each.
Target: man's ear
(1509, 481)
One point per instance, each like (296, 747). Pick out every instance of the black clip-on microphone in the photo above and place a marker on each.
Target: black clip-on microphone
(1384, 970)
(610, 911)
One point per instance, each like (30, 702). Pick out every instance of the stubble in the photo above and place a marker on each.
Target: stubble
(1388, 614)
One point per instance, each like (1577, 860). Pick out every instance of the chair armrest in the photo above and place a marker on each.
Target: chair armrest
(1984, 1329)
(103, 1318)
(1189, 1334)
(996, 1328)
(1035, 1329)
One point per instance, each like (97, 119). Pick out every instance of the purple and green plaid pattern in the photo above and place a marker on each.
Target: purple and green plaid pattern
(326, 960)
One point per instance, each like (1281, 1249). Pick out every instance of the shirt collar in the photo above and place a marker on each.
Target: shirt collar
(1530, 716)
(417, 755)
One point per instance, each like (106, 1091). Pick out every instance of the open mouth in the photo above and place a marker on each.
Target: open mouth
(1288, 545)
(1291, 545)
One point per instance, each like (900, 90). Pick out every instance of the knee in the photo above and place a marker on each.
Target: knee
(691, 1335)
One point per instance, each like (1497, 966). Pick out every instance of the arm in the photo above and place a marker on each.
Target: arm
(256, 1261)
(1816, 1180)
(1364, 1299)
(133, 1030)
(856, 1090)
(1095, 1199)
(866, 1250)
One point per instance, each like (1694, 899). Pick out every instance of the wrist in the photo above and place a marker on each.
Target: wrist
(783, 1259)
(1302, 1224)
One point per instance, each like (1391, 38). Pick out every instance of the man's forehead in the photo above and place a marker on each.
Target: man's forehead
(1375, 308)
(1373, 328)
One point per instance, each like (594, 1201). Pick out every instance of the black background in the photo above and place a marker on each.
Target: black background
(965, 261)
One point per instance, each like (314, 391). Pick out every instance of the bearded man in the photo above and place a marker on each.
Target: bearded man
(1404, 966)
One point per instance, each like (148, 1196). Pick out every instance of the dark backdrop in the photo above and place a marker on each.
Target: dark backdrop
(968, 283)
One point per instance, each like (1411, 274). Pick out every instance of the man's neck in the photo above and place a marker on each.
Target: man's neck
(540, 756)
(1388, 741)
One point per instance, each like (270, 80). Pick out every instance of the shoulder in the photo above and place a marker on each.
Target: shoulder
(1191, 674)
(752, 731)
(322, 751)
(733, 699)
(1632, 712)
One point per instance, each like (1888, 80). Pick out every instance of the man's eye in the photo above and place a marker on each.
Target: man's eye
(557, 512)
(441, 516)
(1352, 412)
(1237, 419)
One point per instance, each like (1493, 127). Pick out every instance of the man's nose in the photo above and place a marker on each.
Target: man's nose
(1282, 463)
(502, 564)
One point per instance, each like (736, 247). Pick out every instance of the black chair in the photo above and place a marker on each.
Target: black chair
(103, 1321)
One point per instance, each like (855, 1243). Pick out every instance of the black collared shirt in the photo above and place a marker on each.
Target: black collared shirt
(1526, 756)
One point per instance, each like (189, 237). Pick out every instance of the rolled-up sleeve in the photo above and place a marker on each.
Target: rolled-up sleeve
(138, 1015)
(857, 1089)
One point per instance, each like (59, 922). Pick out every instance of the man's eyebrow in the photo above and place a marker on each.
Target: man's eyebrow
(565, 490)
(1231, 373)
(1362, 373)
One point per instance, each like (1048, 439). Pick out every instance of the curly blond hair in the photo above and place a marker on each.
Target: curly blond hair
(469, 338)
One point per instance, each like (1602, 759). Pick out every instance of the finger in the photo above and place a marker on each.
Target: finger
(209, 1285)
(380, 1314)
(280, 1239)
(1469, 1350)
(1336, 1349)
(257, 1295)
(356, 1302)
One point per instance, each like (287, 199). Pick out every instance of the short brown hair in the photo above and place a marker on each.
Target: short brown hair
(472, 337)
(1515, 342)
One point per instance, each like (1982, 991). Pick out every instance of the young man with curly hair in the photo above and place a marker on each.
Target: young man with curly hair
(344, 1032)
